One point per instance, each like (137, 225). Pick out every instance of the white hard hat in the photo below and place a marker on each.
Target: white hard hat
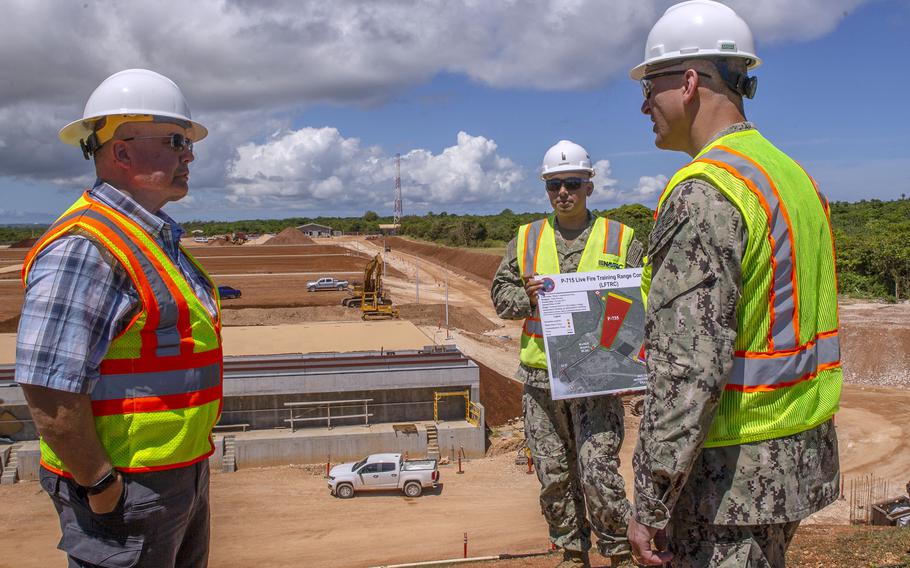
(698, 28)
(133, 95)
(566, 156)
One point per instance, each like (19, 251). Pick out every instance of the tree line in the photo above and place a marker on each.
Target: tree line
(872, 237)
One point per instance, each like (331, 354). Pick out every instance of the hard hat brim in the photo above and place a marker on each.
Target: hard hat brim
(565, 169)
(639, 71)
(81, 129)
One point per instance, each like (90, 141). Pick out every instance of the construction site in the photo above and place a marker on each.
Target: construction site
(402, 352)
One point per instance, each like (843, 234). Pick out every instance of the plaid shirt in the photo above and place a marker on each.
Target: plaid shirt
(79, 298)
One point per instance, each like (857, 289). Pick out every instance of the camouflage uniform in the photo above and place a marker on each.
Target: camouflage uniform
(727, 506)
(574, 443)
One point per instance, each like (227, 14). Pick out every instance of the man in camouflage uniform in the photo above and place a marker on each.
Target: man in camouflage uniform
(574, 443)
(728, 505)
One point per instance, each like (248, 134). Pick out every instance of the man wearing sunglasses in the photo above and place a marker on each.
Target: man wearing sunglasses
(736, 444)
(119, 346)
(574, 443)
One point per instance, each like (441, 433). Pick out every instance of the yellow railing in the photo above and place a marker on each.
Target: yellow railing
(471, 410)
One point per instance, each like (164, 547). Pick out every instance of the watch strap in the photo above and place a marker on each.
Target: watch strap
(106, 481)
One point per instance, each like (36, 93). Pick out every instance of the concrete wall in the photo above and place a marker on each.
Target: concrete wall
(341, 446)
(397, 405)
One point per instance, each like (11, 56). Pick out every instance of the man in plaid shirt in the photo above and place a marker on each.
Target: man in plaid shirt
(80, 298)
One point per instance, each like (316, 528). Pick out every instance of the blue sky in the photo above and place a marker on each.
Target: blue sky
(306, 122)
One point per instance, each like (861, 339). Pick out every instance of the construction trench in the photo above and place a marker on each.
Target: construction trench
(285, 345)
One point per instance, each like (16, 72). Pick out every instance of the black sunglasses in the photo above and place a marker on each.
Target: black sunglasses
(178, 142)
(571, 184)
(647, 86)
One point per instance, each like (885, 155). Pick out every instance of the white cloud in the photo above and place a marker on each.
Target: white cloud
(249, 66)
(320, 168)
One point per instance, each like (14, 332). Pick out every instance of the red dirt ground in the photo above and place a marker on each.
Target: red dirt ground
(480, 265)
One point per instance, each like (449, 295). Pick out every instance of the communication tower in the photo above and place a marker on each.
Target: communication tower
(397, 212)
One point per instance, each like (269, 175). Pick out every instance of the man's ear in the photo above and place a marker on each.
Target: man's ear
(690, 86)
(120, 152)
(590, 189)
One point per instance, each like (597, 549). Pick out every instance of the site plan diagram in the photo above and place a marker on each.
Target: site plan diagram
(593, 326)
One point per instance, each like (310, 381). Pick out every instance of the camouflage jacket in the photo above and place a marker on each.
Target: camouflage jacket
(508, 291)
(696, 252)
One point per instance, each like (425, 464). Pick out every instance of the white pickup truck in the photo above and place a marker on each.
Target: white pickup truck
(326, 283)
(383, 472)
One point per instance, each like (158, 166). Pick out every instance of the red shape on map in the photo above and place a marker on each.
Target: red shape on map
(614, 314)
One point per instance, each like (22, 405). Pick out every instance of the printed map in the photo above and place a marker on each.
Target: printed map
(593, 326)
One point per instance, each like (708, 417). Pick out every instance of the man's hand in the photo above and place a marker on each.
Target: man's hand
(640, 538)
(107, 500)
(532, 287)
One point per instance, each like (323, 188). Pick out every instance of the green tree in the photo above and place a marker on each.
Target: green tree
(370, 216)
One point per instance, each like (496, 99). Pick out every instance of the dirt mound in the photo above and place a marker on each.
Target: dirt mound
(479, 265)
(468, 319)
(24, 243)
(219, 243)
(875, 343)
(499, 395)
(290, 236)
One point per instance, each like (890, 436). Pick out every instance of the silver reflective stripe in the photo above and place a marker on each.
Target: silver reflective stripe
(783, 332)
(534, 232)
(533, 327)
(166, 332)
(772, 371)
(159, 383)
(614, 231)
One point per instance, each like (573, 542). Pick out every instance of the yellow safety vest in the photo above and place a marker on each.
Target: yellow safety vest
(606, 249)
(786, 374)
(160, 390)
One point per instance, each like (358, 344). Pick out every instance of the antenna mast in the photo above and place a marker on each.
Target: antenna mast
(397, 213)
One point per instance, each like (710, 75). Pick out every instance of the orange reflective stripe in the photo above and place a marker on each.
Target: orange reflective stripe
(154, 364)
(150, 302)
(786, 216)
(769, 388)
(156, 403)
(52, 233)
(68, 475)
(786, 352)
(184, 327)
(533, 328)
(606, 234)
(537, 244)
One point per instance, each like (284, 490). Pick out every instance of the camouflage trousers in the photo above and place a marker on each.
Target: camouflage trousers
(697, 545)
(575, 447)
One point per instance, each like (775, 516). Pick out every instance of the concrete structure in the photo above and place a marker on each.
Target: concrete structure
(315, 230)
(378, 401)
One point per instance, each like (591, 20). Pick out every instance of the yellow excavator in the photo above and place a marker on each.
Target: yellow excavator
(369, 296)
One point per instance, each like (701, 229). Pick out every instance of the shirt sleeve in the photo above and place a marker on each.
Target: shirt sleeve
(696, 251)
(508, 290)
(76, 302)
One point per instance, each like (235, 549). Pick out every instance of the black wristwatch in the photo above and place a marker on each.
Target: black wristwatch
(109, 478)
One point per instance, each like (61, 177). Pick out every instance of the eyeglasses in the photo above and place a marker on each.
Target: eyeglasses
(571, 184)
(176, 141)
(647, 86)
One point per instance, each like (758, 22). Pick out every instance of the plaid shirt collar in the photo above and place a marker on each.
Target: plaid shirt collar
(159, 224)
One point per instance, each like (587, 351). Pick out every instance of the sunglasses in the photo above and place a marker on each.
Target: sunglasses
(177, 142)
(647, 86)
(571, 184)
